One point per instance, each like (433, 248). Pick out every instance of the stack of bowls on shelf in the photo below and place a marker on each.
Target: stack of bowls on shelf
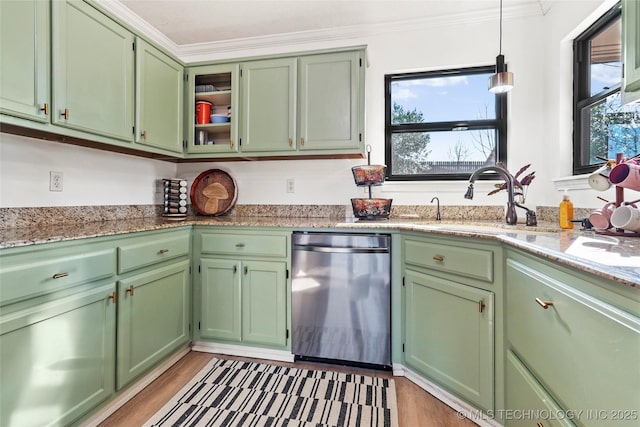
(175, 198)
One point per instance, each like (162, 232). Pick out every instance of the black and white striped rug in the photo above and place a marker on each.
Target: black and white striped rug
(234, 393)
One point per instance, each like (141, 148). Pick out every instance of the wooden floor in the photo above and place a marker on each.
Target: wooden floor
(416, 407)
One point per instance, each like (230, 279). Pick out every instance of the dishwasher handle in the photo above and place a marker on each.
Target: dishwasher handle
(340, 250)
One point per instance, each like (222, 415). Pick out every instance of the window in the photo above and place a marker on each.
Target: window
(602, 126)
(443, 125)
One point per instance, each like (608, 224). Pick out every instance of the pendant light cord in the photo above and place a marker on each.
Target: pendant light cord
(500, 53)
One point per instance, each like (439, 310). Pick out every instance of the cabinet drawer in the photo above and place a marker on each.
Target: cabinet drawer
(463, 261)
(578, 346)
(34, 274)
(245, 244)
(526, 396)
(145, 251)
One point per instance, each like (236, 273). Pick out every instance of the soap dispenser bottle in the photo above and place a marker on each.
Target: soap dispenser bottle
(565, 213)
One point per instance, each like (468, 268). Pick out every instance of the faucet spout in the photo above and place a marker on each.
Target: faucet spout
(438, 218)
(511, 215)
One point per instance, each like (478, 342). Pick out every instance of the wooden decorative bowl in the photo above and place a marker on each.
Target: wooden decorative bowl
(213, 192)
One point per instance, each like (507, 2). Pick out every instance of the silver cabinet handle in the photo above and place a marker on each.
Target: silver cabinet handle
(163, 251)
(239, 245)
(235, 269)
(60, 275)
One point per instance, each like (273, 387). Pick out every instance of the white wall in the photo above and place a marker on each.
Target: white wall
(90, 177)
(537, 50)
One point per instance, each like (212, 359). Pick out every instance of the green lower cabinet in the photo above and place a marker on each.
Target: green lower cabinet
(528, 402)
(449, 336)
(264, 300)
(244, 301)
(153, 318)
(57, 358)
(580, 349)
(220, 299)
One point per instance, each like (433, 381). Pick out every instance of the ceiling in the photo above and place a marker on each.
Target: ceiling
(188, 22)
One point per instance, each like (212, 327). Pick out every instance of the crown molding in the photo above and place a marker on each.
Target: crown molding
(208, 51)
(139, 25)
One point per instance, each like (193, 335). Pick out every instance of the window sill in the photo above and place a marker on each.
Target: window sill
(575, 182)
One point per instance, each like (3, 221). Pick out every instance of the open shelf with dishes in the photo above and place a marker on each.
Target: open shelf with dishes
(214, 92)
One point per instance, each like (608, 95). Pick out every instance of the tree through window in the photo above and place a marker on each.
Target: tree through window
(602, 126)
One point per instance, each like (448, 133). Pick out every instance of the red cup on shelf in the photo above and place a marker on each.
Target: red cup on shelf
(203, 112)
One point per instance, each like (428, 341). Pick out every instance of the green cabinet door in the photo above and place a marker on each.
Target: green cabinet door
(264, 300)
(153, 318)
(24, 59)
(268, 105)
(449, 335)
(579, 347)
(159, 99)
(220, 299)
(92, 71)
(57, 359)
(330, 101)
(631, 50)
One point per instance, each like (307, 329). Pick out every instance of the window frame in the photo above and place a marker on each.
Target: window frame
(499, 124)
(582, 98)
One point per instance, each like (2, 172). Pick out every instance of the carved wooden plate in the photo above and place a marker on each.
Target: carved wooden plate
(213, 192)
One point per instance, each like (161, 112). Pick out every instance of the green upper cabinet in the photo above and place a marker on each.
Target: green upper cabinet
(631, 50)
(24, 59)
(217, 85)
(307, 105)
(268, 105)
(330, 101)
(159, 99)
(92, 71)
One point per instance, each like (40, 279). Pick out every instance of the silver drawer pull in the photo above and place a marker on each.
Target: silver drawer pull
(60, 275)
(163, 251)
(438, 258)
(239, 245)
(544, 304)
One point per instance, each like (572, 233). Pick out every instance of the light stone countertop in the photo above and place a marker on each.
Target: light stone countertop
(610, 257)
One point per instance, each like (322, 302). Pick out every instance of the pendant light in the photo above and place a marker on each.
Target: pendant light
(502, 80)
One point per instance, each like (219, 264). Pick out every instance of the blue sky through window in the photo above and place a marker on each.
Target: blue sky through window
(453, 98)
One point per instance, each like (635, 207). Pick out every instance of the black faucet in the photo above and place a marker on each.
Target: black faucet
(437, 209)
(511, 216)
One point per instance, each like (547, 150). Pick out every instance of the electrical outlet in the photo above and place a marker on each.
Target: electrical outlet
(158, 186)
(291, 185)
(55, 181)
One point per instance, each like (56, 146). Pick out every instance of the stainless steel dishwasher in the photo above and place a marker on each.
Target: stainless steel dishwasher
(341, 302)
